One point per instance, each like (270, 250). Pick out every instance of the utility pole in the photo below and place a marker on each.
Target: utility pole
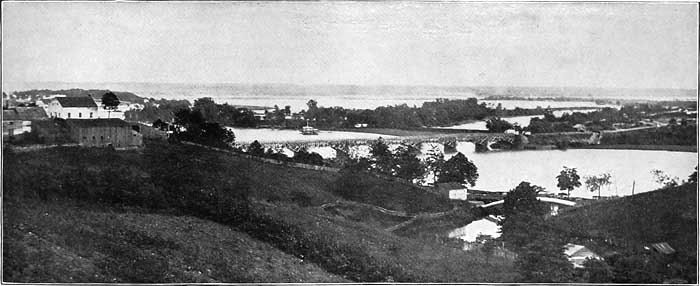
(633, 182)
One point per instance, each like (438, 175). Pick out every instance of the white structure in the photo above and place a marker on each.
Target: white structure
(79, 107)
(458, 194)
(553, 203)
(577, 254)
(486, 226)
(82, 107)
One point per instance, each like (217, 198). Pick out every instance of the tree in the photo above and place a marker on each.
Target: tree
(407, 165)
(256, 149)
(664, 179)
(543, 261)
(597, 271)
(196, 129)
(110, 100)
(568, 179)
(382, 156)
(497, 124)
(596, 183)
(458, 169)
(523, 216)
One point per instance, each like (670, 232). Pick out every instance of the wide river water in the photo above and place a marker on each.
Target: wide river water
(502, 171)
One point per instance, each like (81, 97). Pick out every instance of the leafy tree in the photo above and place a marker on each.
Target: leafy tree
(664, 179)
(110, 100)
(306, 157)
(597, 271)
(199, 130)
(458, 169)
(596, 183)
(407, 165)
(497, 124)
(568, 179)
(523, 215)
(382, 156)
(256, 149)
(543, 261)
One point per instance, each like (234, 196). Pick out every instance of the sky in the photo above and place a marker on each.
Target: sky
(620, 45)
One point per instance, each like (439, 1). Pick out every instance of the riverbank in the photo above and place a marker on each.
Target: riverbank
(676, 148)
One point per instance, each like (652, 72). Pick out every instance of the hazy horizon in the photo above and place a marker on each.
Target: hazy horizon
(605, 45)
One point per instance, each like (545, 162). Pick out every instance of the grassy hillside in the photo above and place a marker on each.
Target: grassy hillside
(622, 230)
(153, 193)
(668, 214)
(64, 241)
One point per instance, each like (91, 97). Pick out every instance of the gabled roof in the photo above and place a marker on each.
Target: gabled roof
(77, 101)
(105, 122)
(23, 113)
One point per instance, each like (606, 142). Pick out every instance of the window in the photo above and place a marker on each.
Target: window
(68, 114)
(93, 138)
(102, 138)
(80, 115)
(90, 114)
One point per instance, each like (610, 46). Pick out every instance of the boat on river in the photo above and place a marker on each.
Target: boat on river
(308, 130)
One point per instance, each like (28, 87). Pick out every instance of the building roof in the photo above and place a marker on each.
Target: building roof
(24, 113)
(663, 247)
(105, 122)
(76, 101)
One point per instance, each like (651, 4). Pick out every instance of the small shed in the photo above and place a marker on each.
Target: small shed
(452, 190)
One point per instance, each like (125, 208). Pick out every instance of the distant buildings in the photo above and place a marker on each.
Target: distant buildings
(18, 120)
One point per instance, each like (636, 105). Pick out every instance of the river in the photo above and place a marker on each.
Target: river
(502, 171)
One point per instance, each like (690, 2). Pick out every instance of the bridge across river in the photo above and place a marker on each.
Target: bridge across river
(482, 140)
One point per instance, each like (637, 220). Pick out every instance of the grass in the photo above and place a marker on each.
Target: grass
(67, 242)
(147, 202)
(629, 223)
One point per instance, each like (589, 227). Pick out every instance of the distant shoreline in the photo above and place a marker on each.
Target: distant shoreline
(673, 148)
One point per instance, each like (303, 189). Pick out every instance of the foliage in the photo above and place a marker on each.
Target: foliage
(110, 100)
(458, 169)
(597, 271)
(256, 149)
(523, 215)
(597, 182)
(693, 178)
(197, 129)
(407, 165)
(496, 124)
(665, 180)
(685, 135)
(543, 261)
(306, 157)
(568, 179)
(224, 114)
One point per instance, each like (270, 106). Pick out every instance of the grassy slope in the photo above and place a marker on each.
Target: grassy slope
(353, 244)
(629, 223)
(66, 242)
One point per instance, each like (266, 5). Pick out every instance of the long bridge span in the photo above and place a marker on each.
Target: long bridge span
(482, 140)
